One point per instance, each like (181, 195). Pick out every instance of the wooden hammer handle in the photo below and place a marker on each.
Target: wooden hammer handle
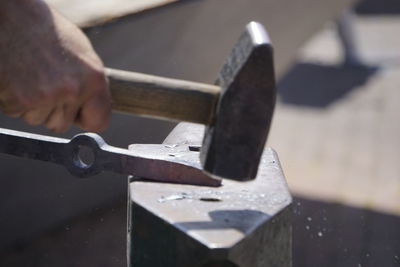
(160, 97)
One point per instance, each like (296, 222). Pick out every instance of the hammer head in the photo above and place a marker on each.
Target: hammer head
(233, 144)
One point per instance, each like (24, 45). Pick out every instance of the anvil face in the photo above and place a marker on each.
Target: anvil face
(245, 223)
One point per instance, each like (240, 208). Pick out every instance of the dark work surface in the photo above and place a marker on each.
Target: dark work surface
(324, 234)
(335, 235)
(96, 239)
(36, 197)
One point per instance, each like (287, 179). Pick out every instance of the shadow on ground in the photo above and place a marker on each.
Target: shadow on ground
(333, 235)
(314, 85)
(378, 7)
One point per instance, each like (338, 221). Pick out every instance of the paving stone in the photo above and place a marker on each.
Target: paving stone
(348, 150)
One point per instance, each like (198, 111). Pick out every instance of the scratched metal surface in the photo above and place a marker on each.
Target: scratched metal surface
(213, 216)
(245, 223)
(235, 222)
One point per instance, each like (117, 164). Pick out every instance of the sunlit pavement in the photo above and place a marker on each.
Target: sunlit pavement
(337, 132)
(337, 128)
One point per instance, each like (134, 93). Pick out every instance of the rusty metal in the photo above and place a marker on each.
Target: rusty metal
(154, 162)
(233, 144)
(235, 225)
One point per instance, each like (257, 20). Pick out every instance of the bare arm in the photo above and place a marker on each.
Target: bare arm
(49, 72)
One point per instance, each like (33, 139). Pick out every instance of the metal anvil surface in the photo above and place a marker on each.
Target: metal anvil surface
(237, 224)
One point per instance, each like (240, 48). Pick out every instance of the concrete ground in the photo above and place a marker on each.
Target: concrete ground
(336, 130)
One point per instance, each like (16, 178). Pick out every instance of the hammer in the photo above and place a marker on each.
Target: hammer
(237, 110)
(237, 113)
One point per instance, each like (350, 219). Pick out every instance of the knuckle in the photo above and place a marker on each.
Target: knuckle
(94, 125)
(49, 125)
(31, 121)
(12, 106)
(32, 99)
(28, 118)
(61, 129)
(58, 88)
(97, 80)
(36, 116)
(70, 91)
(12, 112)
(56, 127)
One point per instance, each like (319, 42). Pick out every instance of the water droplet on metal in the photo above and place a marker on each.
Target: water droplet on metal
(171, 146)
(180, 196)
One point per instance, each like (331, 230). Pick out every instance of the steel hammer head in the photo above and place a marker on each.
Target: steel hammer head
(233, 144)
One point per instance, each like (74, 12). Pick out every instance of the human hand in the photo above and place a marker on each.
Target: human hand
(49, 72)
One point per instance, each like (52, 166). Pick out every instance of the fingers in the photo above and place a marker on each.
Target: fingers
(91, 112)
(55, 118)
(95, 114)
(11, 107)
(37, 116)
(61, 117)
(77, 97)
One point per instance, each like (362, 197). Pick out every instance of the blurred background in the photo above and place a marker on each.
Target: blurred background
(336, 127)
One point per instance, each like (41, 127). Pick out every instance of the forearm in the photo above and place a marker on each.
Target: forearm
(11, 10)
